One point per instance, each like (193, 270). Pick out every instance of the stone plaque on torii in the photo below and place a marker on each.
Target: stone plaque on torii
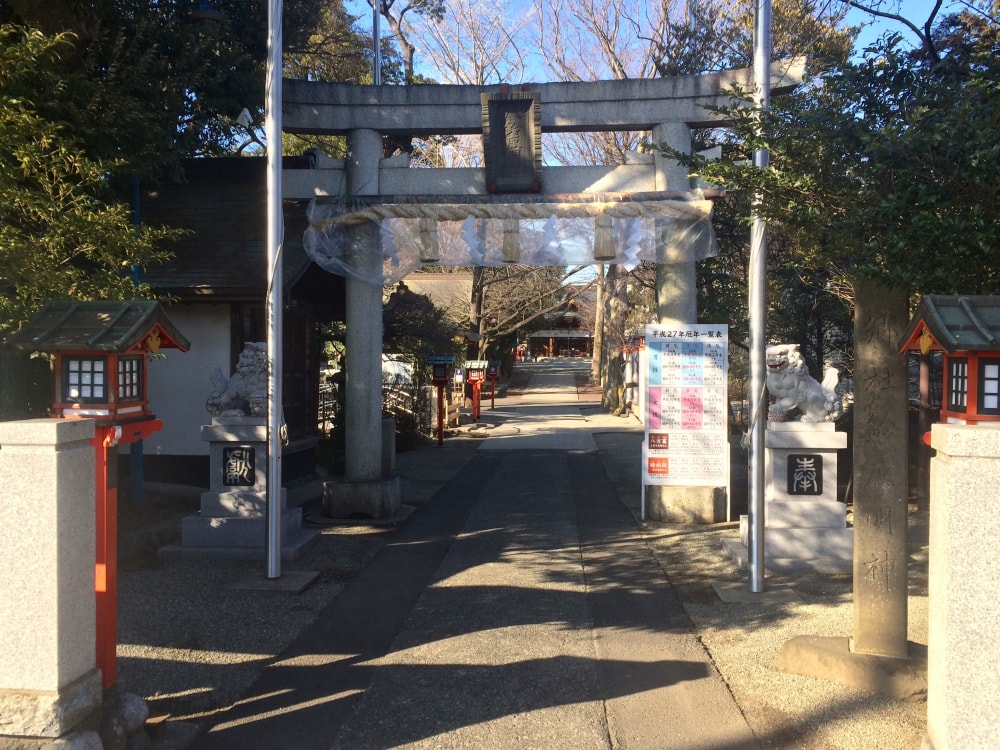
(512, 141)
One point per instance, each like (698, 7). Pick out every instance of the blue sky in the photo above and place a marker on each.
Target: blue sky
(914, 10)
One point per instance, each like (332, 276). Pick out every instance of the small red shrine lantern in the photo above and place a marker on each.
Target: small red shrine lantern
(493, 372)
(440, 365)
(100, 353)
(475, 374)
(966, 328)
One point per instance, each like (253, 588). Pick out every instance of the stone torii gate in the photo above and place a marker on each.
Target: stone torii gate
(378, 189)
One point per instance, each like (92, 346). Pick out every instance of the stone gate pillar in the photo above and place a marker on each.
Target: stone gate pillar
(676, 280)
(677, 302)
(365, 491)
(964, 605)
(49, 681)
(364, 318)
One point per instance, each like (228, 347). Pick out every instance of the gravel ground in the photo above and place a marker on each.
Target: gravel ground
(783, 710)
(190, 643)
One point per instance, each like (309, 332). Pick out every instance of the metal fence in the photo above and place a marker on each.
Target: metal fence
(402, 400)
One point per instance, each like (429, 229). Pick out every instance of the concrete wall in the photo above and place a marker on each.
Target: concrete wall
(963, 658)
(179, 384)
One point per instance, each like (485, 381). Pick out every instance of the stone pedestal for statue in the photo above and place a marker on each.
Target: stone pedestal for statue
(232, 521)
(805, 525)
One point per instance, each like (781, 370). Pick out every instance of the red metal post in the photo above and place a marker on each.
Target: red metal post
(106, 563)
(105, 442)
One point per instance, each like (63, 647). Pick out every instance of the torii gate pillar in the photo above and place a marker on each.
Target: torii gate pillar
(677, 303)
(676, 282)
(365, 491)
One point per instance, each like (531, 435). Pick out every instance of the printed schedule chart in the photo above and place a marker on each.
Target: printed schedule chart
(687, 437)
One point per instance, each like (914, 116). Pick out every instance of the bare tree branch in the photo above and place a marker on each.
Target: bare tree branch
(924, 35)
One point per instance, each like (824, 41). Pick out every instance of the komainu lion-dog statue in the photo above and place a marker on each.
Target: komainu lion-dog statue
(245, 393)
(789, 381)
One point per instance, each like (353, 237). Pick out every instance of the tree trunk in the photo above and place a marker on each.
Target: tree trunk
(616, 313)
(476, 312)
(597, 352)
(408, 50)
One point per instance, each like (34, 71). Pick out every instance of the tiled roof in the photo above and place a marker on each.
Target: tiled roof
(223, 205)
(958, 322)
(65, 325)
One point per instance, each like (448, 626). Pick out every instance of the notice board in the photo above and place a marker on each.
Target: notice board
(687, 426)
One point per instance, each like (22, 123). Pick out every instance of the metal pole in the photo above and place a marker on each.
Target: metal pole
(757, 304)
(376, 46)
(275, 234)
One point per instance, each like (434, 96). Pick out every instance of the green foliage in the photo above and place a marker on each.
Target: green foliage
(157, 82)
(96, 95)
(718, 35)
(887, 168)
(333, 51)
(414, 328)
(62, 233)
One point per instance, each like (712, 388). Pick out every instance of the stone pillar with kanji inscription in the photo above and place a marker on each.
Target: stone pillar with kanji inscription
(880, 471)
(880, 518)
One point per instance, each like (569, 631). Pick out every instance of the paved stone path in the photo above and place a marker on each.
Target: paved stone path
(520, 608)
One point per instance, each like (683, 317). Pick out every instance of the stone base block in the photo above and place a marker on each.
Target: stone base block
(198, 530)
(235, 430)
(291, 547)
(238, 504)
(50, 714)
(805, 544)
(838, 543)
(805, 514)
(738, 553)
(832, 659)
(685, 504)
(376, 499)
(303, 493)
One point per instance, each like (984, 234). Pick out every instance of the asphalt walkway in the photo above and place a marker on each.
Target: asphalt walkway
(520, 608)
